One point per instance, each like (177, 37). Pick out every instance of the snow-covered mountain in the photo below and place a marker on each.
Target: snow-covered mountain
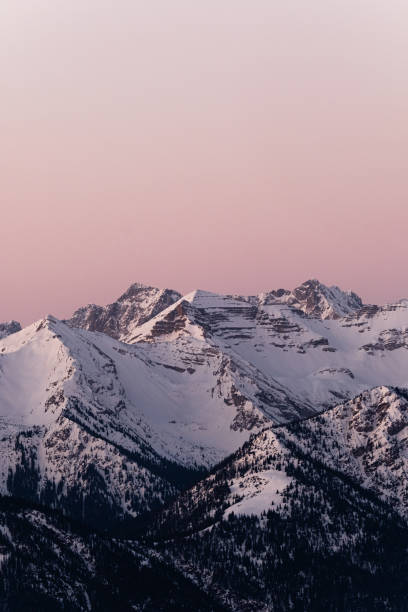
(300, 364)
(11, 327)
(364, 440)
(296, 400)
(136, 306)
(140, 303)
(125, 393)
(82, 411)
(296, 518)
(72, 429)
(88, 422)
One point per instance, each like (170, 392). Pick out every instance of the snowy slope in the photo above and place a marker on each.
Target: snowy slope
(298, 363)
(118, 391)
(80, 410)
(68, 437)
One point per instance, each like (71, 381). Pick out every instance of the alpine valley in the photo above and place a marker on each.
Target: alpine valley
(206, 452)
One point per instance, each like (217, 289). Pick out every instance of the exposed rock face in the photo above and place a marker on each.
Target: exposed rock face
(316, 300)
(388, 340)
(9, 328)
(286, 362)
(326, 302)
(136, 306)
(141, 303)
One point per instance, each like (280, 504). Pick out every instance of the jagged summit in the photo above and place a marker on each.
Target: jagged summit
(317, 300)
(326, 302)
(140, 304)
(210, 312)
(135, 306)
(135, 289)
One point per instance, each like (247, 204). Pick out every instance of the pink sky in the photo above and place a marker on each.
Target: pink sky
(231, 145)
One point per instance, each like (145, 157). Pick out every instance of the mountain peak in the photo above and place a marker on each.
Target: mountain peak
(139, 289)
(135, 306)
(316, 300)
(315, 284)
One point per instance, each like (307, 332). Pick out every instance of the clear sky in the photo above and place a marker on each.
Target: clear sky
(230, 145)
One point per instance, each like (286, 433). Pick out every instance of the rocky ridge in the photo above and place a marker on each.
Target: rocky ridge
(134, 307)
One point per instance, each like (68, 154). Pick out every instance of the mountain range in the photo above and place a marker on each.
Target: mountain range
(247, 452)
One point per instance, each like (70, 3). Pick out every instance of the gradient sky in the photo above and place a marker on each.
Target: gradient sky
(231, 145)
